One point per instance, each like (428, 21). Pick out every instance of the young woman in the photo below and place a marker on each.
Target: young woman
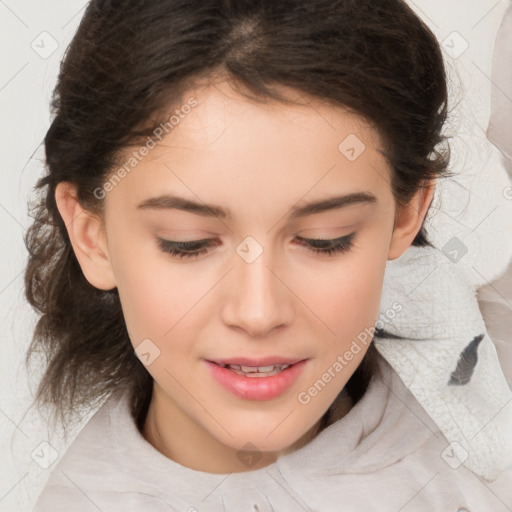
(226, 183)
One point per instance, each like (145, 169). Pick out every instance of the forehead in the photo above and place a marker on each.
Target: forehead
(220, 106)
(235, 150)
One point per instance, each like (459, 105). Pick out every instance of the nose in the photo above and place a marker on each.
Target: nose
(258, 298)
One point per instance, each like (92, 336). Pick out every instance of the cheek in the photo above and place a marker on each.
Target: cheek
(347, 296)
(347, 301)
(157, 302)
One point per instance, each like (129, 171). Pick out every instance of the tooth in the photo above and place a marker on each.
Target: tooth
(248, 369)
(255, 375)
(263, 369)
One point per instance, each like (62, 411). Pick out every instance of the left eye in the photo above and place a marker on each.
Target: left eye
(197, 247)
(329, 247)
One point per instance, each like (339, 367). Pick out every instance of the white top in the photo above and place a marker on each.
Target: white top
(386, 454)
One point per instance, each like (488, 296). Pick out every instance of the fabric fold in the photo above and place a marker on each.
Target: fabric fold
(446, 359)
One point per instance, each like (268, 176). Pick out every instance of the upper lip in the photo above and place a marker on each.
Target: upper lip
(263, 361)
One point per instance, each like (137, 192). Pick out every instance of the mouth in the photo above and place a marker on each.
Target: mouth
(255, 371)
(256, 382)
(262, 367)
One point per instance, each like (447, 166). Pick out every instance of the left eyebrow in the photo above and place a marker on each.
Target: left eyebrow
(167, 201)
(332, 203)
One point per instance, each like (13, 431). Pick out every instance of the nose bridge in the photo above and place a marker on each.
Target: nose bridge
(257, 300)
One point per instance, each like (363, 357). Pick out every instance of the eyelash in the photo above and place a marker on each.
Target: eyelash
(197, 247)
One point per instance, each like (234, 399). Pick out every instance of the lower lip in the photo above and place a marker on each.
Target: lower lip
(257, 388)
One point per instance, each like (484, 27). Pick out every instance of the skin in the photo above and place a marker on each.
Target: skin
(258, 161)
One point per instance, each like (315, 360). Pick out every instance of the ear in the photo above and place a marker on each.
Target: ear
(409, 219)
(87, 235)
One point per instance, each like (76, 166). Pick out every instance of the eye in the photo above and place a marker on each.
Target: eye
(328, 247)
(195, 248)
(186, 249)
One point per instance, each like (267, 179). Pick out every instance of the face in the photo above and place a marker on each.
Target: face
(258, 273)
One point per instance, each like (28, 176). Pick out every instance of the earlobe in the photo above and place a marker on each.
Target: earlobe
(409, 219)
(87, 235)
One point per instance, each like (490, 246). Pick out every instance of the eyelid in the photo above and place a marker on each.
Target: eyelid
(328, 238)
(208, 242)
(334, 229)
(331, 245)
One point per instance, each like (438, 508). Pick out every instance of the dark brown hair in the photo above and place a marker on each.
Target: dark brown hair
(130, 63)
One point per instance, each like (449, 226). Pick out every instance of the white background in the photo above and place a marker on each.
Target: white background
(26, 82)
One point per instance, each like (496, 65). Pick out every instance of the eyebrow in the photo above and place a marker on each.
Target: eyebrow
(166, 201)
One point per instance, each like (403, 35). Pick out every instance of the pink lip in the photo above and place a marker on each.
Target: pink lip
(256, 388)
